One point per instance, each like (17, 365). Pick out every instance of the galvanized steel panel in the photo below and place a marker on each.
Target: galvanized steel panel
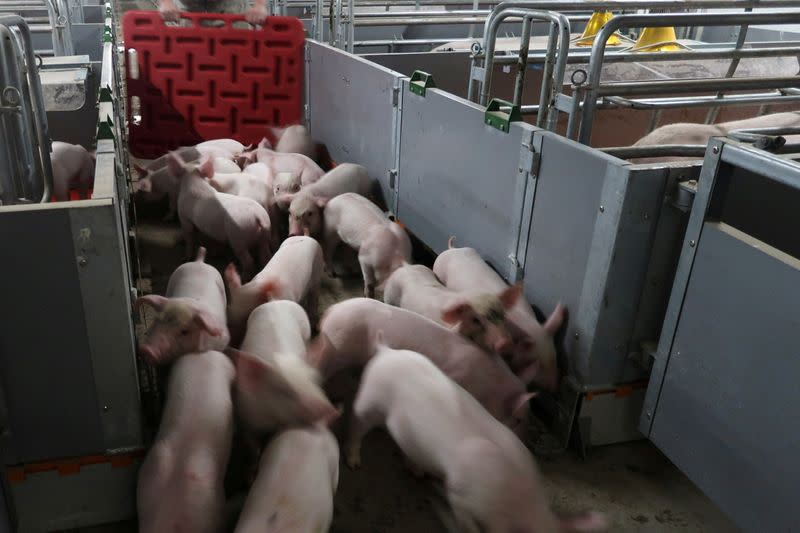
(590, 241)
(728, 411)
(458, 176)
(350, 110)
(44, 351)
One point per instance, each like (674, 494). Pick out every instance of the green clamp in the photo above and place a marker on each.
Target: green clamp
(500, 119)
(105, 94)
(421, 81)
(105, 129)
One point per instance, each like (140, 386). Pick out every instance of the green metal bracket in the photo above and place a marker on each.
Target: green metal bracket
(420, 81)
(500, 119)
(105, 94)
(105, 129)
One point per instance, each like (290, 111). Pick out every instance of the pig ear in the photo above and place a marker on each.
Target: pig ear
(144, 185)
(529, 373)
(270, 290)
(175, 164)
(153, 300)
(450, 242)
(321, 201)
(265, 143)
(456, 312)
(249, 366)
(207, 322)
(206, 168)
(317, 348)
(232, 278)
(555, 320)
(591, 521)
(510, 296)
(215, 184)
(521, 401)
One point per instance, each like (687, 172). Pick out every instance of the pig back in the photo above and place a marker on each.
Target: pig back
(280, 326)
(347, 177)
(296, 267)
(199, 281)
(199, 408)
(297, 477)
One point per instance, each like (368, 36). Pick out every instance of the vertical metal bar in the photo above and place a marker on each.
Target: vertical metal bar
(547, 76)
(320, 35)
(572, 124)
(351, 15)
(560, 70)
(712, 114)
(522, 60)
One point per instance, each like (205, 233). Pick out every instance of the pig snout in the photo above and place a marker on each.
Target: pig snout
(153, 349)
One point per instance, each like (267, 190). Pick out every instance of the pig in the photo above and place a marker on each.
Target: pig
(191, 318)
(294, 274)
(275, 387)
(297, 479)
(180, 485)
(381, 244)
(187, 153)
(477, 317)
(303, 169)
(250, 186)
(158, 181)
(305, 206)
(240, 222)
(347, 337)
(226, 148)
(73, 166)
(262, 172)
(533, 354)
(491, 480)
(295, 140)
(684, 133)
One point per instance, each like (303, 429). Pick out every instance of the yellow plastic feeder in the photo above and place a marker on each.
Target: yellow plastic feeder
(596, 23)
(661, 39)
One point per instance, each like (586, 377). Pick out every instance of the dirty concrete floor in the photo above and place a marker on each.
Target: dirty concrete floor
(633, 484)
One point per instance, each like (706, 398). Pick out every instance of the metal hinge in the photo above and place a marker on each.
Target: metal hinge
(529, 158)
(307, 55)
(306, 113)
(478, 74)
(395, 96)
(392, 178)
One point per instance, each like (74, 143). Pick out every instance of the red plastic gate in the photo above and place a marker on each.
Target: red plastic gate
(201, 82)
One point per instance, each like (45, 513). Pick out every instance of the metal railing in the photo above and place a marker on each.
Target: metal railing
(27, 175)
(584, 100)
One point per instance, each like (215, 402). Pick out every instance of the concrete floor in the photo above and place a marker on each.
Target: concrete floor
(633, 484)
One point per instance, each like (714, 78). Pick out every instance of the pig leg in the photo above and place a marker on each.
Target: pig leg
(369, 278)
(264, 247)
(312, 306)
(86, 181)
(173, 207)
(188, 236)
(329, 242)
(246, 259)
(364, 418)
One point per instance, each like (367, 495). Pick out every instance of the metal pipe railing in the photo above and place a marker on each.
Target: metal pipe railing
(711, 116)
(595, 88)
(58, 13)
(27, 97)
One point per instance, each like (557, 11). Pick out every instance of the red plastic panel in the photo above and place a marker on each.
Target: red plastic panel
(200, 82)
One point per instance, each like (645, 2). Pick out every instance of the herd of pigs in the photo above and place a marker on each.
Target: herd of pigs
(448, 356)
